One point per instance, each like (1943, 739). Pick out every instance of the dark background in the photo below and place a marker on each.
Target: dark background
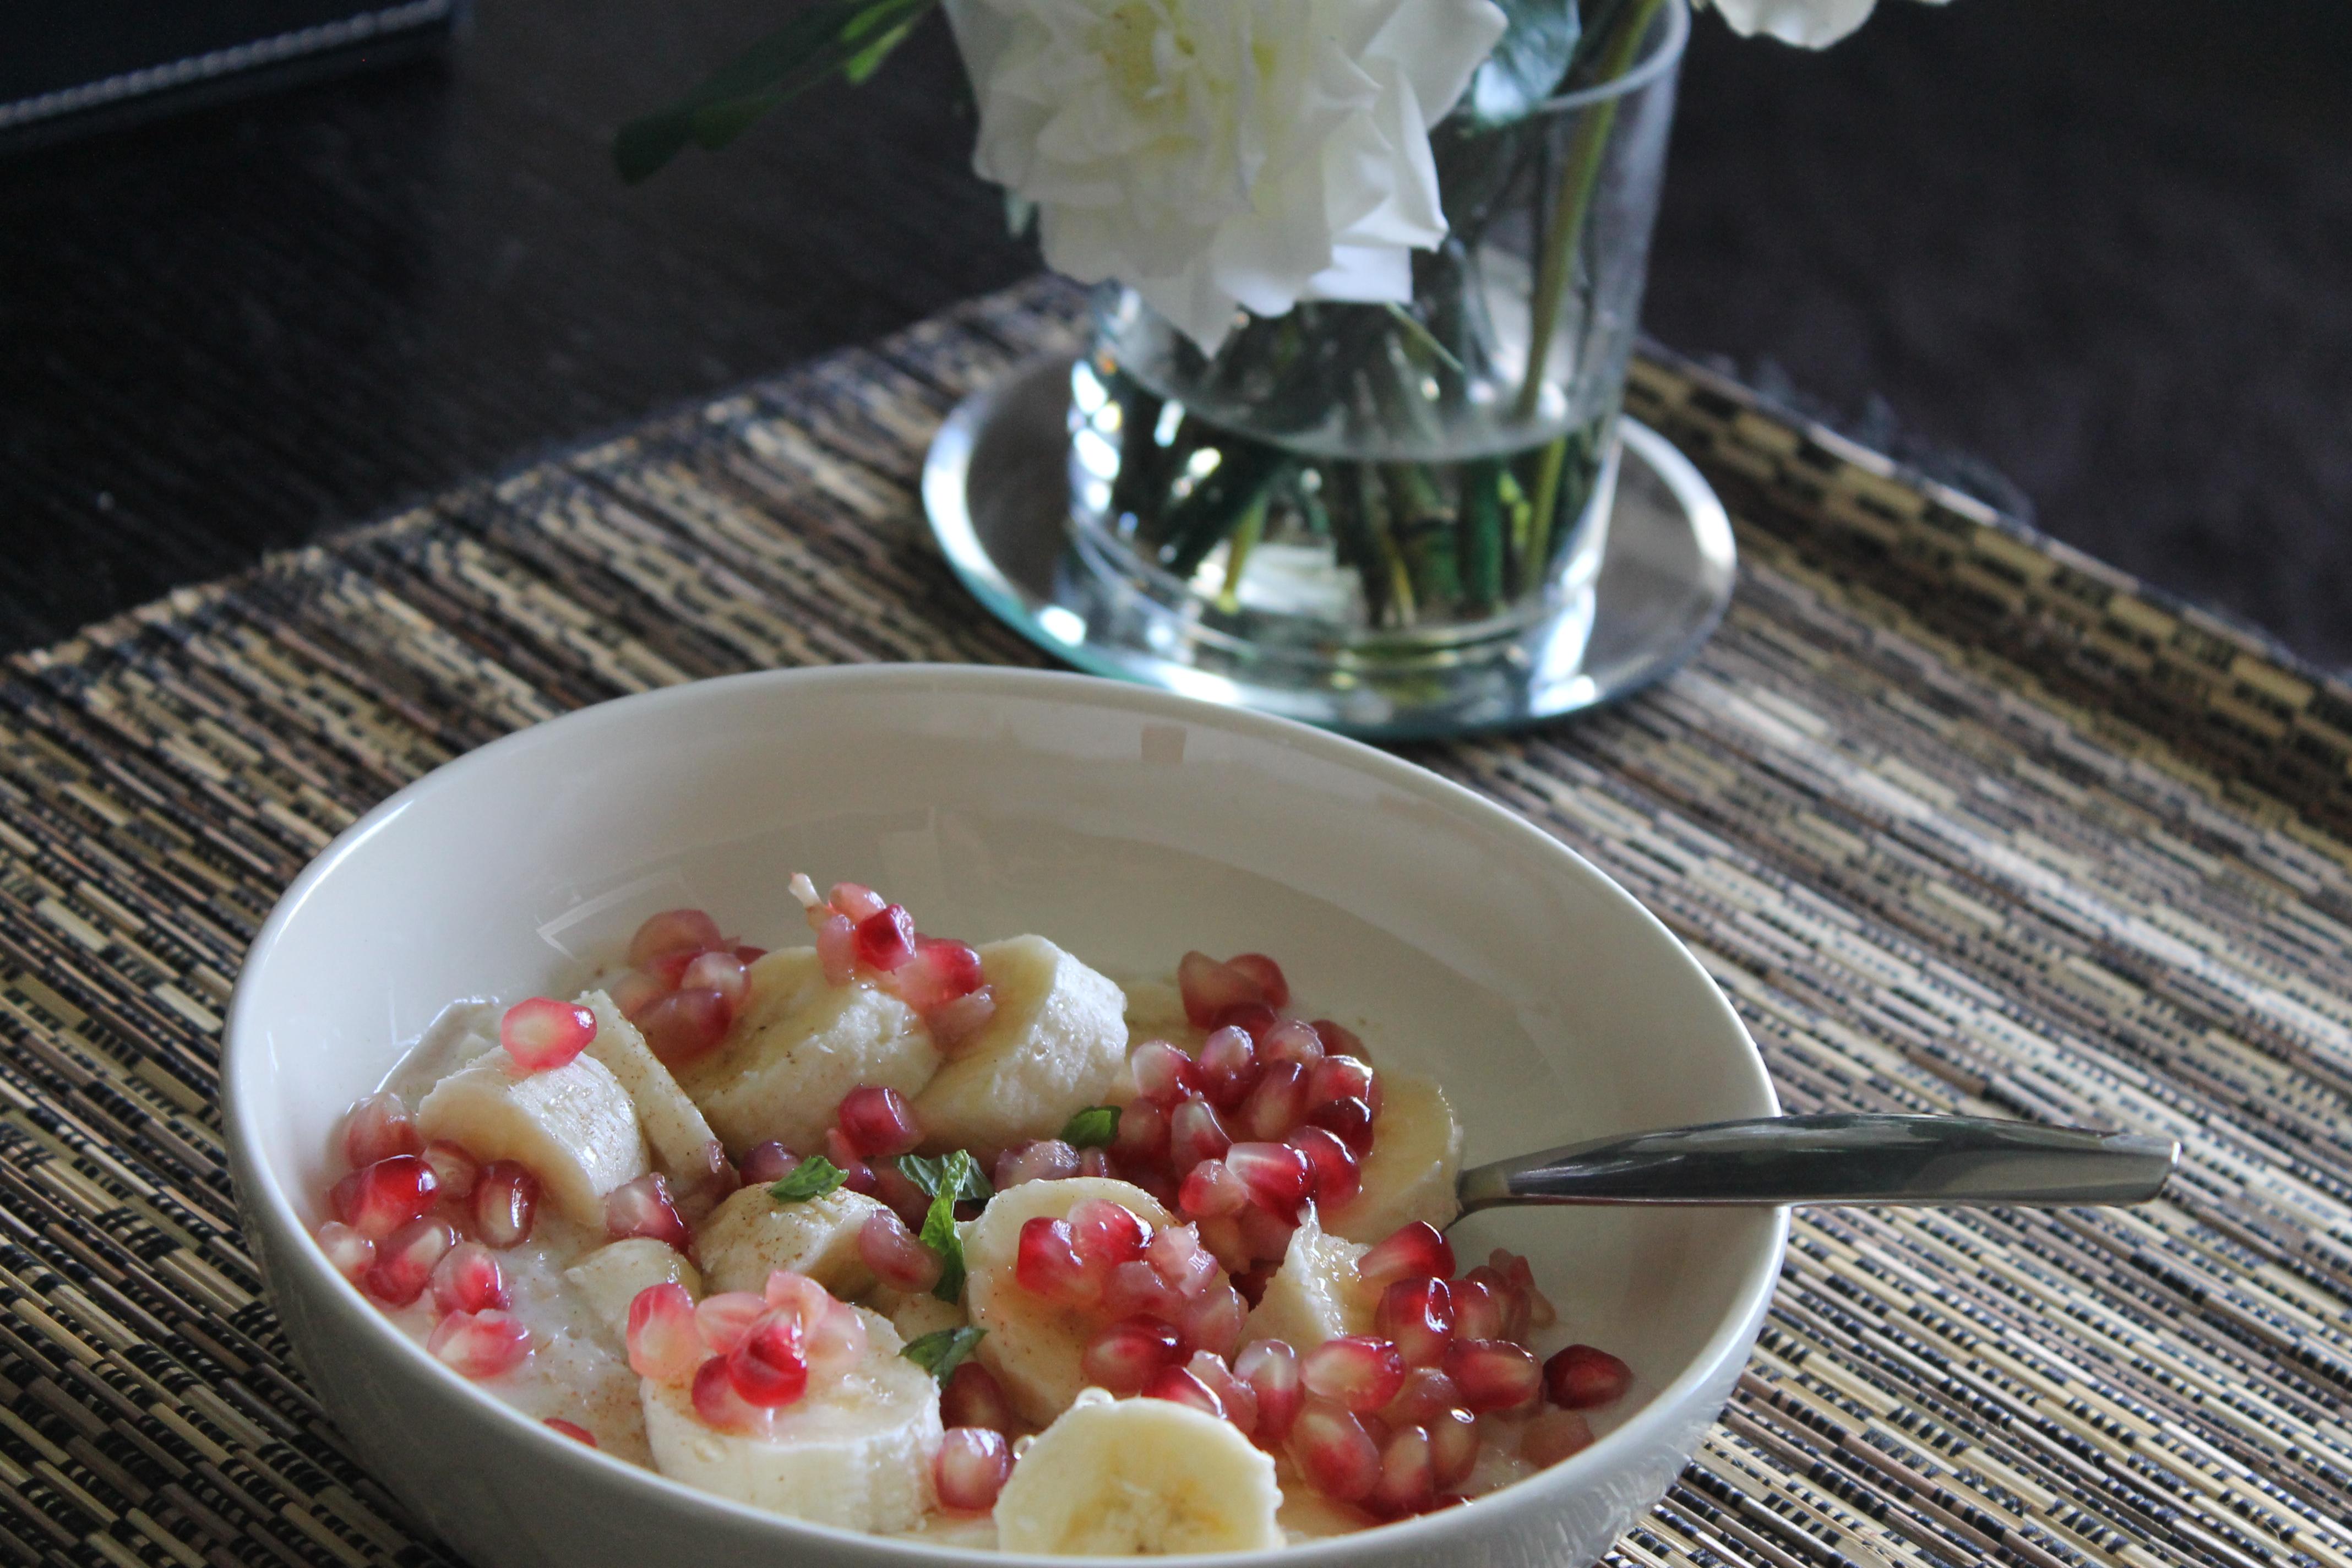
(2090, 258)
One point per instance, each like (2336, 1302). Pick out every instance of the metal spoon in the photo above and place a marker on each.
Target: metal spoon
(1846, 1158)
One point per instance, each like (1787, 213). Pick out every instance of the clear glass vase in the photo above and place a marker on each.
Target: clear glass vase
(1408, 484)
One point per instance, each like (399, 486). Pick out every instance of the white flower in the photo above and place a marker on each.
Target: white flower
(1216, 154)
(1808, 23)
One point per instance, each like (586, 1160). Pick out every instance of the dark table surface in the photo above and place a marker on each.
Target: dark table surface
(2094, 258)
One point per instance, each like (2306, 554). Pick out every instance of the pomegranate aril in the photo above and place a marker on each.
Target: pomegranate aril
(886, 939)
(1493, 1374)
(1477, 1309)
(1126, 1355)
(348, 1252)
(384, 1196)
(719, 1407)
(1425, 1395)
(971, 1468)
(898, 1191)
(1233, 1393)
(1213, 1321)
(1275, 1172)
(1255, 1019)
(669, 968)
(1266, 1235)
(835, 1343)
(1291, 1041)
(1195, 1132)
(719, 972)
(1277, 1104)
(724, 1319)
(1097, 1163)
(1552, 1436)
(1336, 1175)
(1584, 1376)
(480, 1344)
(1046, 1262)
(469, 1279)
(1333, 1451)
(896, 1257)
(542, 1034)
(1209, 988)
(746, 954)
(973, 1397)
(1339, 1041)
(769, 1163)
(857, 901)
(836, 948)
(1273, 988)
(767, 1366)
(1354, 1370)
(878, 1122)
(939, 971)
(1417, 1316)
(1176, 1255)
(1046, 1159)
(1228, 1068)
(643, 1209)
(685, 1025)
(1408, 1479)
(572, 1429)
(1521, 1276)
(1108, 1233)
(1415, 1251)
(1180, 1387)
(955, 1026)
(404, 1262)
(1252, 1282)
(664, 1342)
(1164, 1075)
(1341, 1078)
(1452, 1445)
(857, 1176)
(1142, 1135)
(1136, 1289)
(1271, 1369)
(1349, 1121)
(1213, 1190)
(636, 990)
(674, 930)
(454, 1171)
(799, 1297)
(1221, 1237)
(378, 1128)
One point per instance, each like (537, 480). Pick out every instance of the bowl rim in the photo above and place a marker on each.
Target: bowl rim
(263, 1199)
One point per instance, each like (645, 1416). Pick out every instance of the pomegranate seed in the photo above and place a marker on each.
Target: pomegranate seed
(722, 1408)
(1108, 1233)
(384, 1196)
(1264, 973)
(1452, 1445)
(1178, 1386)
(1045, 1159)
(1493, 1374)
(836, 949)
(1354, 1370)
(1341, 1078)
(767, 1367)
(898, 1191)
(1266, 1235)
(1213, 1321)
(1351, 1120)
(1213, 1190)
(797, 1296)
(973, 1397)
(480, 1344)
(469, 1279)
(748, 955)
(1418, 1315)
(971, 1468)
(1239, 1399)
(878, 1122)
(454, 1170)
(670, 968)
(1195, 1133)
(1127, 1355)
(1136, 1289)
(1415, 1251)
(1175, 1254)
(723, 1320)
(541, 1032)
(664, 1343)
(1425, 1395)
(1209, 987)
(1228, 1068)
(1337, 1177)
(1583, 1376)
(1521, 1276)
(1510, 1301)
(1334, 1452)
(635, 991)
(835, 1343)
(1152, 1179)
(1552, 1435)
(378, 1128)
(1252, 1282)
(1097, 1163)
(857, 1176)
(955, 1026)
(404, 1262)
(1477, 1309)
(1277, 1174)
(1291, 1041)
(1142, 1136)
(1339, 1041)
(857, 901)
(506, 1204)
(1408, 1481)
(1255, 1019)
(685, 1025)
(719, 972)
(572, 1429)
(940, 972)
(674, 930)
(1271, 1369)
(1277, 1104)
(1164, 1075)
(1046, 1261)
(1221, 1234)
(886, 939)
(643, 1209)
(898, 1260)
(769, 1163)
(348, 1252)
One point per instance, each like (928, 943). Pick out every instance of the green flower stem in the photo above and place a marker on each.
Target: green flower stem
(1214, 507)
(1546, 501)
(1481, 531)
(1237, 554)
(1140, 455)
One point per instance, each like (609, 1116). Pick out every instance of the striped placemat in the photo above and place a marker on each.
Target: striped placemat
(1960, 819)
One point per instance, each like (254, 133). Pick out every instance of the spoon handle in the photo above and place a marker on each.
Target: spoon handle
(1846, 1158)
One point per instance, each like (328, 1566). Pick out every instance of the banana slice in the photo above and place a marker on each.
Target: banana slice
(1118, 1478)
(798, 1045)
(1409, 1175)
(609, 1279)
(1055, 1045)
(572, 1127)
(1307, 1515)
(752, 1235)
(1314, 1295)
(855, 1454)
(681, 1141)
(1034, 1346)
(915, 1316)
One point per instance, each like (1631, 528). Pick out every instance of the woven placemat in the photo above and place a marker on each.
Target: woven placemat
(1959, 820)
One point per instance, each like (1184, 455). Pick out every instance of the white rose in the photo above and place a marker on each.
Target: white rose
(1221, 154)
(1808, 23)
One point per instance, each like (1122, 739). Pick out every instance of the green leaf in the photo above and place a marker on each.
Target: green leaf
(1528, 64)
(929, 1175)
(811, 1178)
(942, 1350)
(1092, 1128)
(939, 1232)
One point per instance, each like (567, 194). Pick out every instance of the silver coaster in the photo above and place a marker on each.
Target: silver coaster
(996, 486)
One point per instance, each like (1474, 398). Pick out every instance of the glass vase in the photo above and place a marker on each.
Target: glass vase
(1410, 484)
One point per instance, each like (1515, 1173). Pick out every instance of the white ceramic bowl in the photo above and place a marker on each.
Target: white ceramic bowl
(1126, 824)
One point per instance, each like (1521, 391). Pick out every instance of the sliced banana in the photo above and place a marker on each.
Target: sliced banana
(1314, 1295)
(681, 1141)
(915, 1315)
(1118, 1478)
(1034, 1346)
(797, 1046)
(572, 1127)
(1055, 1045)
(1307, 1515)
(609, 1279)
(752, 1235)
(1409, 1174)
(855, 1453)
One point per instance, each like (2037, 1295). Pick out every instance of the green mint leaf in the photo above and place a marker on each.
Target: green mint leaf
(1092, 1128)
(811, 1178)
(930, 1173)
(942, 1350)
(938, 1231)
